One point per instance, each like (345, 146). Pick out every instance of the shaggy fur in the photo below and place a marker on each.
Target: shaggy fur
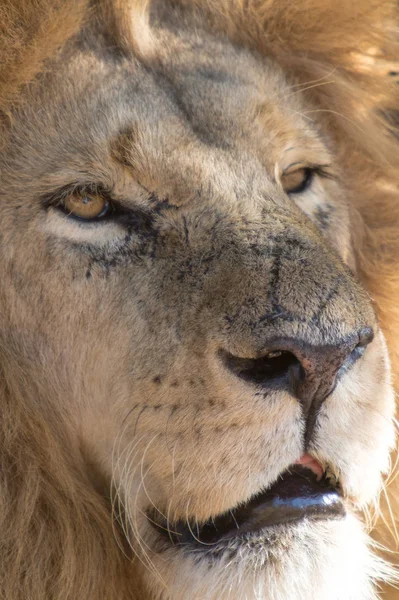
(113, 400)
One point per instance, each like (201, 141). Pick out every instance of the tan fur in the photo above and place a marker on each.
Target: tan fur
(73, 424)
(30, 33)
(128, 23)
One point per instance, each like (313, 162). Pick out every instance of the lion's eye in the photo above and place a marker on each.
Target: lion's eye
(87, 206)
(297, 181)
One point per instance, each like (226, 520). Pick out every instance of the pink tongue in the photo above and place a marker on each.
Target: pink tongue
(311, 463)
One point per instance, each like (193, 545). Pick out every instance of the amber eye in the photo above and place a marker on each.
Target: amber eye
(87, 206)
(296, 181)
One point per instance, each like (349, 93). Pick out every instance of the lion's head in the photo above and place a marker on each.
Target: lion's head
(197, 235)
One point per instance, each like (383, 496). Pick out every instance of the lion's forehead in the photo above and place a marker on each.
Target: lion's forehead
(220, 117)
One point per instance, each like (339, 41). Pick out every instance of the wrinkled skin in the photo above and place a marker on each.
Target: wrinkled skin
(135, 315)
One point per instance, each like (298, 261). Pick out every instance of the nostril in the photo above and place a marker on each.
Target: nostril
(273, 365)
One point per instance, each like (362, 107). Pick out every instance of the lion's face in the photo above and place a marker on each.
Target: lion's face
(199, 329)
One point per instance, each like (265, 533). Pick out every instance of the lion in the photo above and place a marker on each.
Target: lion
(199, 319)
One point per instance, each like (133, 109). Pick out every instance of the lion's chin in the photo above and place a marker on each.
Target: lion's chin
(300, 493)
(311, 558)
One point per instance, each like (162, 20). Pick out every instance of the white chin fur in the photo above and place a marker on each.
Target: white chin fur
(317, 561)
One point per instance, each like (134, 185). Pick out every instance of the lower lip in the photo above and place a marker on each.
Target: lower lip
(299, 494)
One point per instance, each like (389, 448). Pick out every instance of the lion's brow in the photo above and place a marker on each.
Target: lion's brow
(122, 143)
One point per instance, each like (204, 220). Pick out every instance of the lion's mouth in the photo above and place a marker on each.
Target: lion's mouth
(300, 493)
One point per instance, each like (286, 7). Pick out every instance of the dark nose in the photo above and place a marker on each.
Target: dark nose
(309, 372)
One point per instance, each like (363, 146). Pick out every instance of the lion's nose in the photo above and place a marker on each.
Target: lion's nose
(309, 372)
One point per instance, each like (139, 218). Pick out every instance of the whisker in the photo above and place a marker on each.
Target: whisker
(132, 515)
(192, 532)
(310, 87)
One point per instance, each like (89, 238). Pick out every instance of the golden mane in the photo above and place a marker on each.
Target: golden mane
(66, 538)
(340, 60)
